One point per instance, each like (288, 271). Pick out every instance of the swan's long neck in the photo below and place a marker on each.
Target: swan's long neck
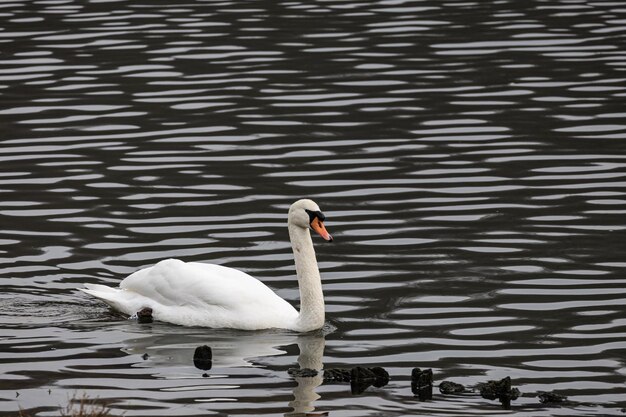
(311, 315)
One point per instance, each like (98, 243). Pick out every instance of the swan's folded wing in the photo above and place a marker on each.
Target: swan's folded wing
(175, 283)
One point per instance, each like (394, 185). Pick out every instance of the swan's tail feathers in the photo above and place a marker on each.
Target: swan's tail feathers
(117, 298)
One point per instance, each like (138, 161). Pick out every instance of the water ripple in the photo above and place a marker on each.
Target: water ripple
(468, 156)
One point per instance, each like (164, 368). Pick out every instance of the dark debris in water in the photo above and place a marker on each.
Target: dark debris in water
(551, 397)
(449, 387)
(359, 377)
(337, 375)
(554, 398)
(302, 372)
(422, 383)
(362, 378)
(491, 390)
(203, 358)
(500, 390)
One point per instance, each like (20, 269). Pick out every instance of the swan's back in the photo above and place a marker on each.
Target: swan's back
(198, 294)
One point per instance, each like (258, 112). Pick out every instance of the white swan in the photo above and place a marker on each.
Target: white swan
(199, 294)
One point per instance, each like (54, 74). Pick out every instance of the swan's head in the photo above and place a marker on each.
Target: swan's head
(307, 214)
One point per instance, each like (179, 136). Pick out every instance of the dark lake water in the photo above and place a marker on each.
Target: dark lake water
(470, 158)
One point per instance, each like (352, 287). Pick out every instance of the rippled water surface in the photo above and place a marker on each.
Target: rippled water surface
(470, 158)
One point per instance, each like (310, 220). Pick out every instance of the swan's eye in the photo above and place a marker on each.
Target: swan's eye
(315, 215)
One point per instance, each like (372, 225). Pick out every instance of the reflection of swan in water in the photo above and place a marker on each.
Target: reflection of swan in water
(173, 347)
(310, 357)
(230, 348)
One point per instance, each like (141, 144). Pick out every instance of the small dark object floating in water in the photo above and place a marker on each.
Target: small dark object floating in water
(145, 356)
(203, 358)
(302, 372)
(551, 397)
(449, 387)
(337, 375)
(360, 378)
(376, 374)
(500, 390)
(422, 383)
(382, 376)
(144, 315)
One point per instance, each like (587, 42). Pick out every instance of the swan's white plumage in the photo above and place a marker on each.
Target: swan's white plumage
(209, 295)
(198, 294)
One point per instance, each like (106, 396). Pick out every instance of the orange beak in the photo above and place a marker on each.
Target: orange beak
(318, 226)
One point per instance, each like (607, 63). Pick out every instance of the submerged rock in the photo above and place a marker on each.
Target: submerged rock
(422, 383)
(500, 390)
(337, 375)
(449, 387)
(203, 358)
(376, 374)
(382, 376)
(302, 372)
(551, 397)
(360, 378)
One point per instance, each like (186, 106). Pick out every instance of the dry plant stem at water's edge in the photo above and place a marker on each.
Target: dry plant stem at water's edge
(82, 406)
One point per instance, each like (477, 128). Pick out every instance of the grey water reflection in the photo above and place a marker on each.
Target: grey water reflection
(470, 158)
(151, 361)
(310, 357)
